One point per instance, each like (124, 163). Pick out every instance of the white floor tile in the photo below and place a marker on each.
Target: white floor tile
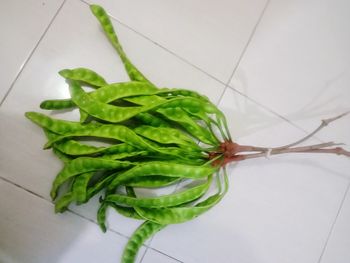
(337, 249)
(30, 232)
(208, 34)
(156, 257)
(22, 23)
(277, 210)
(75, 40)
(298, 63)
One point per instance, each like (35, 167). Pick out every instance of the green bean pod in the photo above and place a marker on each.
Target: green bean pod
(142, 233)
(161, 201)
(107, 27)
(85, 75)
(164, 169)
(83, 165)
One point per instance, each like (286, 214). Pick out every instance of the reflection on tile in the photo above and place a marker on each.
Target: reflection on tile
(298, 62)
(337, 249)
(153, 256)
(277, 210)
(31, 232)
(22, 23)
(209, 34)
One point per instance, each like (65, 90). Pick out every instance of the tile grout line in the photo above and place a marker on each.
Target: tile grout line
(251, 36)
(31, 53)
(51, 203)
(80, 215)
(333, 224)
(160, 252)
(162, 47)
(208, 74)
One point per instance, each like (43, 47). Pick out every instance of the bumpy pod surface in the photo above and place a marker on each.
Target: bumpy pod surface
(153, 138)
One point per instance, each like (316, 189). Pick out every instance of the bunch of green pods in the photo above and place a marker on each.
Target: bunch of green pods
(156, 138)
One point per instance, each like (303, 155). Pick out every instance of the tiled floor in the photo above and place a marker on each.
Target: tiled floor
(276, 68)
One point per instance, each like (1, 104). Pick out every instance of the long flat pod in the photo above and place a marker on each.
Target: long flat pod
(154, 181)
(83, 165)
(141, 234)
(161, 201)
(165, 135)
(117, 132)
(175, 215)
(164, 169)
(178, 115)
(106, 94)
(55, 125)
(107, 27)
(85, 75)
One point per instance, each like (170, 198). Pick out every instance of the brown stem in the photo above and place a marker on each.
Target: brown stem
(323, 124)
(318, 148)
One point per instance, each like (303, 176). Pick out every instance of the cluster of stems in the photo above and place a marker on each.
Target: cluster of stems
(234, 152)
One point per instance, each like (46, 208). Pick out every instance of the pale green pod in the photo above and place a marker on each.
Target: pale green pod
(85, 75)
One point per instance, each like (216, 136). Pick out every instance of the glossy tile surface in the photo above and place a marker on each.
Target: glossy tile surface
(298, 63)
(156, 257)
(209, 34)
(337, 249)
(22, 23)
(31, 232)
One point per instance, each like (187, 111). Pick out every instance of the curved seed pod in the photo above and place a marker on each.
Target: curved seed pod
(180, 116)
(101, 216)
(124, 134)
(83, 116)
(80, 186)
(107, 27)
(118, 156)
(59, 104)
(145, 100)
(102, 110)
(73, 147)
(120, 90)
(118, 132)
(119, 148)
(182, 92)
(116, 114)
(83, 165)
(55, 125)
(64, 158)
(175, 215)
(142, 233)
(105, 94)
(164, 169)
(165, 135)
(93, 190)
(126, 211)
(154, 181)
(151, 120)
(161, 201)
(62, 204)
(85, 75)
(130, 191)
